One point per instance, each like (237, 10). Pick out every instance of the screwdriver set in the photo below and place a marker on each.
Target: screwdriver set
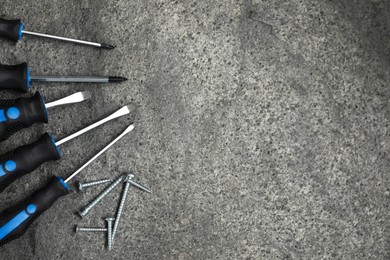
(23, 112)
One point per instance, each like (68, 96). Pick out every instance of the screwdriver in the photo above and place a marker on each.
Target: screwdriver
(16, 114)
(27, 158)
(15, 221)
(13, 30)
(17, 77)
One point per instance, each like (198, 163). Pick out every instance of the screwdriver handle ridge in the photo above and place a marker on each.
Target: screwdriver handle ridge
(25, 159)
(16, 114)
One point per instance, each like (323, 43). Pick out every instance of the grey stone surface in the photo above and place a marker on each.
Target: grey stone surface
(261, 127)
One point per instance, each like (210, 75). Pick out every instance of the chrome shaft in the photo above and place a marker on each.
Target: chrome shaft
(76, 79)
(121, 112)
(128, 129)
(94, 44)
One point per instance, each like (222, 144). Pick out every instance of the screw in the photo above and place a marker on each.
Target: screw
(128, 181)
(90, 229)
(81, 186)
(109, 232)
(87, 208)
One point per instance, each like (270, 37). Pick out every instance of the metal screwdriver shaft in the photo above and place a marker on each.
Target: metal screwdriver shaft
(128, 130)
(14, 30)
(18, 77)
(78, 79)
(94, 44)
(121, 112)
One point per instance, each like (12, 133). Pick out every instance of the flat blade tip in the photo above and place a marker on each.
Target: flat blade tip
(127, 108)
(129, 128)
(86, 94)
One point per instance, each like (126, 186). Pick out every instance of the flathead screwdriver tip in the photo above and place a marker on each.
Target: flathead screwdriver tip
(74, 98)
(86, 95)
(107, 46)
(116, 79)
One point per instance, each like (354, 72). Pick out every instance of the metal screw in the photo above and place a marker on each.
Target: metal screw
(81, 186)
(109, 232)
(128, 181)
(86, 209)
(90, 229)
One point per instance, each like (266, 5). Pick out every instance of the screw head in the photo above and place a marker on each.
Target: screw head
(110, 219)
(77, 229)
(128, 177)
(80, 186)
(82, 212)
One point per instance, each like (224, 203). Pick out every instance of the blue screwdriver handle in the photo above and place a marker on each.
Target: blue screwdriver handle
(19, 113)
(15, 77)
(15, 221)
(25, 159)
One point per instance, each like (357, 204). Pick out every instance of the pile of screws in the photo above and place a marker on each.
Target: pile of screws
(112, 223)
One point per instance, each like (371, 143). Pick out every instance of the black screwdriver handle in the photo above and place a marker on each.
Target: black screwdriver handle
(11, 29)
(15, 77)
(15, 221)
(26, 159)
(16, 114)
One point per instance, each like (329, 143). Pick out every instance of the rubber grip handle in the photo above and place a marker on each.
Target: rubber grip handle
(15, 221)
(15, 77)
(11, 29)
(16, 114)
(26, 159)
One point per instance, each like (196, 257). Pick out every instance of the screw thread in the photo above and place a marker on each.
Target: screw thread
(90, 229)
(86, 209)
(94, 183)
(120, 209)
(109, 235)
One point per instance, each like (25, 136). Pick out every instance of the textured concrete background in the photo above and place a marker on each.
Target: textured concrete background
(261, 126)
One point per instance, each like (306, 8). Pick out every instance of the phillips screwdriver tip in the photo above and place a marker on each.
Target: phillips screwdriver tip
(116, 79)
(107, 46)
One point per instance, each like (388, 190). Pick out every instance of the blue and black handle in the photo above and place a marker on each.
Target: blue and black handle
(25, 159)
(15, 221)
(16, 114)
(15, 77)
(11, 29)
